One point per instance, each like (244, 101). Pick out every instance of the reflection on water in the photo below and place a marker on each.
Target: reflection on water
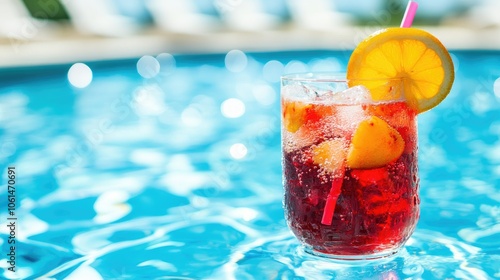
(169, 167)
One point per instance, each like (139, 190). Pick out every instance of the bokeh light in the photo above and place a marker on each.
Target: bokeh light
(273, 70)
(232, 108)
(167, 62)
(238, 151)
(148, 67)
(236, 61)
(80, 75)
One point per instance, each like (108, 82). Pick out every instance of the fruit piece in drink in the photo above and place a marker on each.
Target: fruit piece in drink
(294, 114)
(330, 155)
(374, 144)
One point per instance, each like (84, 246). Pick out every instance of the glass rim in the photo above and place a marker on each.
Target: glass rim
(329, 77)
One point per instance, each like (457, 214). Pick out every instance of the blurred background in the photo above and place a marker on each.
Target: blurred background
(63, 31)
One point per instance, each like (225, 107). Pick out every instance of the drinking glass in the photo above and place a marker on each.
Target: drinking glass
(349, 164)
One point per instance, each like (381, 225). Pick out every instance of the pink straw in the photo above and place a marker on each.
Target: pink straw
(410, 12)
(331, 200)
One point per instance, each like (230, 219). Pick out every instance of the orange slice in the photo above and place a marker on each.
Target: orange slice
(294, 114)
(403, 59)
(374, 144)
(297, 113)
(330, 155)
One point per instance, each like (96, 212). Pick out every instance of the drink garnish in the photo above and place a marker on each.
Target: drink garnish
(410, 60)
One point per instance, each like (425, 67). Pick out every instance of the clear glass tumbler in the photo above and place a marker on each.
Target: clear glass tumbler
(349, 167)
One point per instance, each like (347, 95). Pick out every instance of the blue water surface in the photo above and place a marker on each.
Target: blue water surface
(168, 167)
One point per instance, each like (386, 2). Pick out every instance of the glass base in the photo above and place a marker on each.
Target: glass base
(385, 255)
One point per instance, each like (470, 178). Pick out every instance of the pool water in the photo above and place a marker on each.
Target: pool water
(168, 167)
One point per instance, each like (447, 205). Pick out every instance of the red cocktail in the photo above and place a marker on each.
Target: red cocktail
(350, 144)
(350, 168)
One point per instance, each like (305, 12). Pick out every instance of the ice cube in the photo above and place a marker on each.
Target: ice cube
(348, 109)
(299, 92)
(354, 95)
(327, 97)
(349, 116)
(357, 95)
